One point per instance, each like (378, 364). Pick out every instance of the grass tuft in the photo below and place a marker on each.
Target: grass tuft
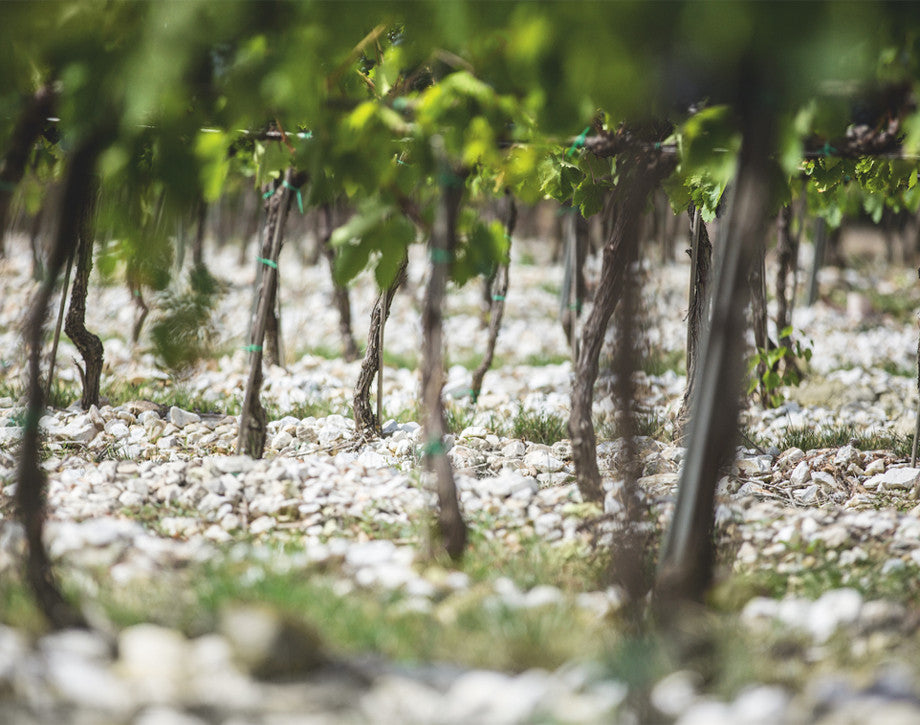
(657, 361)
(120, 392)
(309, 409)
(546, 428)
(810, 438)
(542, 359)
(650, 424)
(392, 359)
(457, 417)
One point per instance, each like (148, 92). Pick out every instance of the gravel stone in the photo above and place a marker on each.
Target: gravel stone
(895, 478)
(801, 474)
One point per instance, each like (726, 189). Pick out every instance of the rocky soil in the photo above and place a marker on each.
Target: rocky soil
(814, 618)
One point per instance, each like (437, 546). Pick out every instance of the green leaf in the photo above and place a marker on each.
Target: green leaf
(709, 143)
(589, 197)
(211, 151)
(391, 240)
(521, 173)
(354, 242)
(775, 355)
(485, 247)
(350, 259)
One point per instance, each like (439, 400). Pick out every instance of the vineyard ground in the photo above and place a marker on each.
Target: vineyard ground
(299, 588)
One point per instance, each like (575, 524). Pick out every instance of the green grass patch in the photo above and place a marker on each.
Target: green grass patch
(834, 436)
(901, 305)
(111, 452)
(649, 424)
(469, 360)
(412, 414)
(531, 562)
(657, 361)
(497, 425)
(17, 419)
(457, 417)
(526, 258)
(311, 408)
(327, 352)
(407, 360)
(61, 450)
(537, 427)
(17, 607)
(150, 515)
(892, 368)
(9, 390)
(810, 438)
(542, 359)
(818, 575)
(121, 392)
(63, 394)
(463, 628)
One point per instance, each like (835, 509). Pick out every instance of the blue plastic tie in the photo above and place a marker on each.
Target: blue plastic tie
(288, 185)
(578, 143)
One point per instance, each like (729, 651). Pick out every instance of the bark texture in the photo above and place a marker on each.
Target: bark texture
(627, 559)
(31, 486)
(499, 289)
(700, 274)
(639, 174)
(366, 423)
(273, 226)
(443, 241)
(572, 297)
(142, 310)
(251, 440)
(89, 345)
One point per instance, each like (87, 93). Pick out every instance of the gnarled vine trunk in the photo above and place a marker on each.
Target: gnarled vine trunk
(700, 273)
(639, 174)
(89, 345)
(499, 287)
(366, 422)
(273, 226)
